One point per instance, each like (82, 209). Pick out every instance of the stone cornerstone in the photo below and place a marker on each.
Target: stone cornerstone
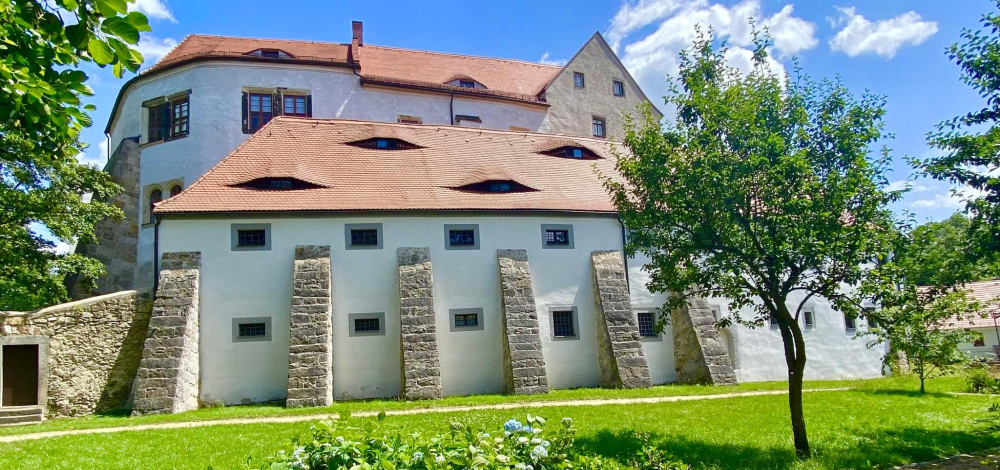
(421, 374)
(167, 381)
(699, 353)
(94, 347)
(523, 362)
(623, 364)
(310, 345)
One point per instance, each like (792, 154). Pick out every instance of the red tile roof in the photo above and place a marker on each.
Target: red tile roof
(986, 292)
(512, 79)
(350, 178)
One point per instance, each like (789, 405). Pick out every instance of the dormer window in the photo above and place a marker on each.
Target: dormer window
(466, 83)
(496, 186)
(384, 143)
(579, 153)
(270, 53)
(278, 184)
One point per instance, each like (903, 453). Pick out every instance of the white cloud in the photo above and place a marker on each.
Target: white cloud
(884, 37)
(153, 49)
(95, 156)
(547, 61)
(939, 201)
(651, 56)
(153, 9)
(914, 186)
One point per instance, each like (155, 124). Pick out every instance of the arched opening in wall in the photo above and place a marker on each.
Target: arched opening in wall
(155, 196)
(175, 190)
(729, 339)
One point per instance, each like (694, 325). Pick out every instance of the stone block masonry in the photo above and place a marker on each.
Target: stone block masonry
(421, 374)
(168, 376)
(94, 348)
(310, 346)
(524, 364)
(700, 356)
(619, 346)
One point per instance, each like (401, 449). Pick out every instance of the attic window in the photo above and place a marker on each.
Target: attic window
(278, 184)
(384, 143)
(569, 151)
(496, 186)
(466, 83)
(270, 53)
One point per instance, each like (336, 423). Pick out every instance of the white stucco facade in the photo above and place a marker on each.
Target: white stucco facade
(254, 284)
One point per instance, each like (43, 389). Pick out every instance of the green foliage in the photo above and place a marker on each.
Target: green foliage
(761, 190)
(335, 445)
(41, 116)
(971, 142)
(981, 379)
(940, 253)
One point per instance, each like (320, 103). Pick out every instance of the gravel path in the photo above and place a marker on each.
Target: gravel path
(415, 411)
(989, 459)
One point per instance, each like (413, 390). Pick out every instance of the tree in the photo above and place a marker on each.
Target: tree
(915, 320)
(971, 142)
(940, 254)
(760, 191)
(41, 116)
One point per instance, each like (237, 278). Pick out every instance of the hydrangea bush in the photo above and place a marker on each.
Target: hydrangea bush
(335, 445)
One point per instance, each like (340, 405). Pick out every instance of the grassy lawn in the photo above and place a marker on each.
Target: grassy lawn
(879, 423)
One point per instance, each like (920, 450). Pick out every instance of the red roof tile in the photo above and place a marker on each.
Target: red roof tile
(354, 178)
(986, 292)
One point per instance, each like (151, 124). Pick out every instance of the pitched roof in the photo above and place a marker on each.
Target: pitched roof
(345, 177)
(506, 78)
(986, 292)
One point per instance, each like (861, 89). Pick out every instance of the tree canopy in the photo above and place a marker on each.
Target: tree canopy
(763, 190)
(941, 254)
(41, 115)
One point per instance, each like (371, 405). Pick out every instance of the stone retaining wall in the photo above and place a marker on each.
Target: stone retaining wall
(523, 361)
(622, 362)
(310, 347)
(94, 349)
(421, 374)
(168, 378)
(700, 356)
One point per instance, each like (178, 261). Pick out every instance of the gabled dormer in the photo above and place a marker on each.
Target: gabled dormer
(270, 53)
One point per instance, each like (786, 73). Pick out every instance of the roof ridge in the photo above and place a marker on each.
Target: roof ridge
(307, 41)
(477, 130)
(455, 54)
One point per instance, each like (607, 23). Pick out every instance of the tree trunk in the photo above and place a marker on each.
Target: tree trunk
(795, 359)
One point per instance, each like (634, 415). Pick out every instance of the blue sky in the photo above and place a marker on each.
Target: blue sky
(890, 47)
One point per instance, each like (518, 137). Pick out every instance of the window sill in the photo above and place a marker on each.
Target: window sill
(565, 338)
(158, 142)
(651, 339)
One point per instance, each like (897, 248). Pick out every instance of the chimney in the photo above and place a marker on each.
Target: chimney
(356, 32)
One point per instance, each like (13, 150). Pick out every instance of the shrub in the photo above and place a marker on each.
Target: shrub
(980, 379)
(334, 445)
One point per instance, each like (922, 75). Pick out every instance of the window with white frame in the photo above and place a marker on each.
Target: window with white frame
(557, 236)
(618, 88)
(850, 323)
(578, 80)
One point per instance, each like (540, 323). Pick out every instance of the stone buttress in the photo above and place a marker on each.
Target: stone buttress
(524, 364)
(310, 344)
(700, 356)
(421, 366)
(167, 380)
(623, 364)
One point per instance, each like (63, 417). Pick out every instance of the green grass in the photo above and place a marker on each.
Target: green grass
(881, 422)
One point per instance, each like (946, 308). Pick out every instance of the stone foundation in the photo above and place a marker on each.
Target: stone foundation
(168, 376)
(524, 364)
(622, 362)
(700, 356)
(94, 348)
(310, 347)
(421, 374)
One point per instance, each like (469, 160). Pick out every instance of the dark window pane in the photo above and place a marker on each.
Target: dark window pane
(462, 237)
(466, 84)
(364, 237)
(366, 324)
(598, 127)
(562, 323)
(647, 324)
(849, 322)
(619, 88)
(557, 237)
(578, 79)
(175, 190)
(154, 196)
(251, 330)
(499, 187)
(256, 237)
(467, 319)
(810, 320)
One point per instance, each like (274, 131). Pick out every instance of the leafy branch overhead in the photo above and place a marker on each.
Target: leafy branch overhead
(42, 45)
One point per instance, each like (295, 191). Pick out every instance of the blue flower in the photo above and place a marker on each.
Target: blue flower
(539, 452)
(527, 429)
(512, 425)
(546, 444)
(418, 456)
(486, 434)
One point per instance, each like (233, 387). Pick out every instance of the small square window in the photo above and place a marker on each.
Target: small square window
(382, 143)
(250, 237)
(850, 323)
(647, 324)
(810, 318)
(251, 329)
(363, 236)
(599, 128)
(564, 324)
(618, 88)
(557, 236)
(578, 79)
(464, 319)
(979, 342)
(461, 237)
(366, 324)
(773, 320)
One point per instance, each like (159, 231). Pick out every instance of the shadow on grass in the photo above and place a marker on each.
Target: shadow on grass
(907, 393)
(858, 450)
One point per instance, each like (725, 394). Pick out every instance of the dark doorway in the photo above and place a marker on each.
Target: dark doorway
(20, 375)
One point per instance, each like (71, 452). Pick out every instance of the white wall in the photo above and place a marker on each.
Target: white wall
(216, 116)
(990, 340)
